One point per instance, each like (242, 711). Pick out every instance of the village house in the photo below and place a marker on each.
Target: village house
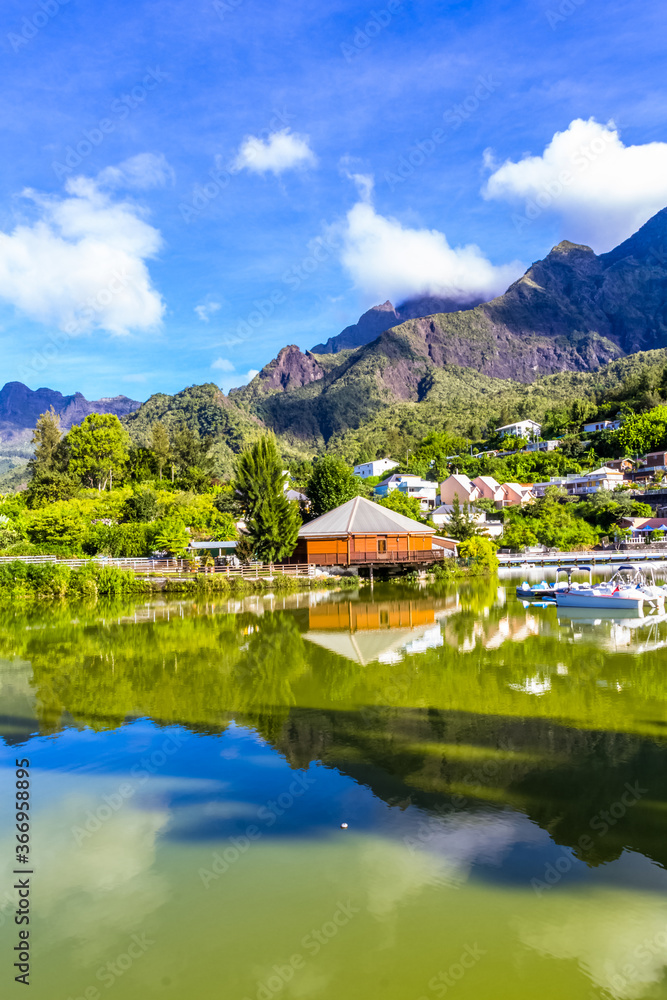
(378, 467)
(522, 429)
(489, 489)
(361, 532)
(420, 489)
(460, 486)
(578, 484)
(602, 425)
(484, 487)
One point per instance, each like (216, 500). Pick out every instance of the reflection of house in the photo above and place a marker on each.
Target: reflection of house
(415, 487)
(377, 468)
(363, 532)
(385, 631)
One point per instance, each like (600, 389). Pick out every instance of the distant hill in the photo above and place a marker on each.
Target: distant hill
(20, 408)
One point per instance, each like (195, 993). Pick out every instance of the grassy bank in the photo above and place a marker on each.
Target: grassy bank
(53, 580)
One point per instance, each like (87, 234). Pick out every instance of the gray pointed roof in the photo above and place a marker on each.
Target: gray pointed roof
(360, 516)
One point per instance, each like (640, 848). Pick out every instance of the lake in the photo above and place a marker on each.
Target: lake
(415, 793)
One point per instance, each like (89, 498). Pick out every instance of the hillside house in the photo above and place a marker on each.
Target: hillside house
(368, 470)
(460, 486)
(602, 425)
(489, 489)
(522, 429)
(420, 489)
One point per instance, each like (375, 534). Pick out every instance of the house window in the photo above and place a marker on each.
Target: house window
(382, 544)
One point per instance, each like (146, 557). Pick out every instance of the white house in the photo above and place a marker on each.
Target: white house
(522, 429)
(413, 486)
(602, 425)
(377, 468)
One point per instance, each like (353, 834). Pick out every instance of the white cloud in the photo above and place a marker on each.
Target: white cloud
(233, 379)
(603, 190)
(82, 264)
(144, 171)
(281, 151)
(206, 310)
(388, 261)
(223, 365)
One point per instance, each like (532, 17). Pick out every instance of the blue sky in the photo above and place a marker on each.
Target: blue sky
(187, 187)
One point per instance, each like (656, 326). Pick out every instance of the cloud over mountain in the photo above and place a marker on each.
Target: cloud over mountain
(387, 260)
(603, 190)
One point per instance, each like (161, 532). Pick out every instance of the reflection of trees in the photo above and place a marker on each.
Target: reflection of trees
(444, 722)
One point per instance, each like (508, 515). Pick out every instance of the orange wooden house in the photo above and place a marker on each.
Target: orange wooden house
(363, 532)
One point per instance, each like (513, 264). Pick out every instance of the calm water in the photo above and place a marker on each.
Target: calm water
(503, 776)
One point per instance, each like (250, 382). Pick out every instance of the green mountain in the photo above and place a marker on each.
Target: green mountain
(576, 326)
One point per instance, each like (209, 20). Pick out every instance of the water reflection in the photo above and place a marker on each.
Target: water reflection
(503, 774)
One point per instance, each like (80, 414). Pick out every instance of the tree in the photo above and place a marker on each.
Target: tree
(479, 552)
(461, 525)
(517, 535)
(160, 445)
(98, 450)
(46, 436)
(272, 520)
(171, 536)
(331, 483)
(142, 505)
(402, 504)
(50, 487)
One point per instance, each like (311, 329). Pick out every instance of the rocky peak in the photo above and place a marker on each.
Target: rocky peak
(290, 370)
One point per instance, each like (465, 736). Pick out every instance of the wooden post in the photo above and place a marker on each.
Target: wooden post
(371, 576)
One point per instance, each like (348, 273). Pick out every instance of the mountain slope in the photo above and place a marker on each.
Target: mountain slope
(380, 318)
(573, 311)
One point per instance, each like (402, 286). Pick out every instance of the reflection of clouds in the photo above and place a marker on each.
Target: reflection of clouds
(619, 939)
(101, 888)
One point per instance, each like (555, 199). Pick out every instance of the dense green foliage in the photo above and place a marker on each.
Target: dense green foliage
(401, 503)
(331, 484)
(272, 520)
